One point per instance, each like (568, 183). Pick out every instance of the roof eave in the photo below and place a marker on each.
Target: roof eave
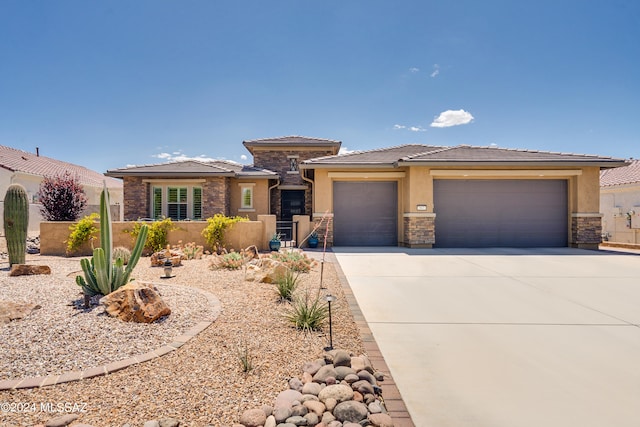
(347, 165)
(122, 174)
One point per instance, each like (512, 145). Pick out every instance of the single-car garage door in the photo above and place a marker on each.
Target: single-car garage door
(500, 213)
(365, 213)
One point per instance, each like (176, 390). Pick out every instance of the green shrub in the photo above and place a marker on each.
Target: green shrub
(81, 232)
(286, 285)
(307, 313)
(217, 225)
(157, 238)
(295, 260)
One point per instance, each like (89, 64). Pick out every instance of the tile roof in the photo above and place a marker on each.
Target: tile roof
(192, 168)
(291, 139)
(461, 154)
(16, 160)
(623, 175)
(381, 156)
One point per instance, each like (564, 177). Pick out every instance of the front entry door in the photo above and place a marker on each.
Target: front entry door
(292, 203)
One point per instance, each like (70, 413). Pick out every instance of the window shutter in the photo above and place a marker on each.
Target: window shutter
(157, 202)
(197, 203)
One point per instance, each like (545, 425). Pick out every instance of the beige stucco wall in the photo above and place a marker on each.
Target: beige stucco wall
(260, 198)
(241, 235)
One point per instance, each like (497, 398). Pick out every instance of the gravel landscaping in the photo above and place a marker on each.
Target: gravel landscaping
(200, 384)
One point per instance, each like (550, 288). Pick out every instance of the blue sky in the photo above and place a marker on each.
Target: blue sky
(106, 84)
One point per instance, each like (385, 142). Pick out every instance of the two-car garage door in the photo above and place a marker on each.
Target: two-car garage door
(469, 213)
(500, 213)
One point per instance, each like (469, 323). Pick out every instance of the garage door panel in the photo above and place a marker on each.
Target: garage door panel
(500, 213)
(365, 213)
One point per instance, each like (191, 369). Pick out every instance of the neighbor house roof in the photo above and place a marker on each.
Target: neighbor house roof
(292, 141)
(629, 174)
(461, 155)
(20, 161)
(193, 168)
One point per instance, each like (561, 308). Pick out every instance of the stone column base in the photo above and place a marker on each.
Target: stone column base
(419, 230)
(586, 230)
(325, 228)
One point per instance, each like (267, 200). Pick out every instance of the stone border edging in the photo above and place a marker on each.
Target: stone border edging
(179, 341)
(392, 399)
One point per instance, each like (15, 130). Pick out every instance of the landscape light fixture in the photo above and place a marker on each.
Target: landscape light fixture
(168, 268)
(329, 299)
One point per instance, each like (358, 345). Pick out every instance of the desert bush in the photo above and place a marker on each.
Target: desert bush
(217, 225)
(158, 235)
(307, 313)
(287, 284)
(295, 260)
(231, 261)
(62, 197)
(81, 232)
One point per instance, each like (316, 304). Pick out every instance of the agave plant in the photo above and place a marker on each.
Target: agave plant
(102, 274)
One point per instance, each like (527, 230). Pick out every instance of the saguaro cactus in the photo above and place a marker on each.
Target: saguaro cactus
(16, 222)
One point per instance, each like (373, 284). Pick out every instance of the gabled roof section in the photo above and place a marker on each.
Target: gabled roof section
(293, 141)
(461, 155)
(382, 157)
(192, 169)
(20, 161)
(621, 176)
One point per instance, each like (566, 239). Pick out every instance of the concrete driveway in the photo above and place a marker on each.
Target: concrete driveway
(505, 337)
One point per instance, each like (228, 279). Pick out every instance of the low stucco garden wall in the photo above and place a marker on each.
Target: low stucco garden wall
(239, 236)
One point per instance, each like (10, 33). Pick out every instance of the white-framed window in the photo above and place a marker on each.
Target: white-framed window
(246, 196)
(178, 202)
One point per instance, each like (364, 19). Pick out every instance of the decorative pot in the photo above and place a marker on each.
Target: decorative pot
(313, 242)
(274, 245)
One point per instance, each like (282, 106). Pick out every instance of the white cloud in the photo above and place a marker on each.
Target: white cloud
(436, 70)
(452, 118)
(178, 156)
(414, 69)
(344, 150)
(243, 157)
(409, 128)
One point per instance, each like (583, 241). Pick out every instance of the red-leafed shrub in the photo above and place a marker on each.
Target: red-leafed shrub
(62, 197)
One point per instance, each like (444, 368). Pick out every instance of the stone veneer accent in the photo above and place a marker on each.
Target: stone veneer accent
(216, 197)
(317, 218)
(419, 230)
(136, 198)
(586, 230)
(277, 160)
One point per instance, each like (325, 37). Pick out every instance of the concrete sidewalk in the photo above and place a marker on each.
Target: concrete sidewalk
(505, 337)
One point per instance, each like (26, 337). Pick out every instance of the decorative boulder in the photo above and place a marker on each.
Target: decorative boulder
(135, 302)
(28, 269)
(13, 311)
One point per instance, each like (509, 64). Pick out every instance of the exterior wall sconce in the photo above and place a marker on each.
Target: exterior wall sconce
(421, 207)
(329, 299)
